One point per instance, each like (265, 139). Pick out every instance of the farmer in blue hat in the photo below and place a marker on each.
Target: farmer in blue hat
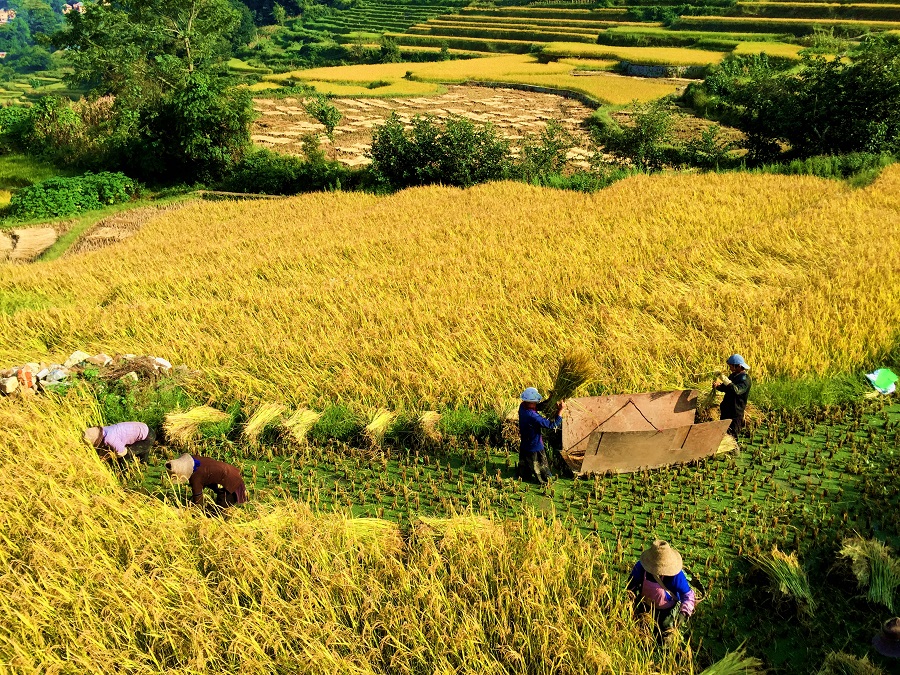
(532, 457)
(736, 388)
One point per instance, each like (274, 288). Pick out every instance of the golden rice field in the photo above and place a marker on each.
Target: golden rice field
(669, 56)
(438, 296)
(771, 48)
(510, 68)
(97, 579)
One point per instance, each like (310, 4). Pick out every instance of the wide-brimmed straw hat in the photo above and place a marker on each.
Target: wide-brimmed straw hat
(93, 436)
(887, 642)
(182, 466)
(661, 560)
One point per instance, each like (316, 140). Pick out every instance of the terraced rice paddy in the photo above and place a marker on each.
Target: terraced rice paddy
(283, 122)
(597, 85)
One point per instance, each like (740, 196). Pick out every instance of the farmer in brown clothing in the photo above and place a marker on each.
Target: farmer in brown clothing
(204, 472)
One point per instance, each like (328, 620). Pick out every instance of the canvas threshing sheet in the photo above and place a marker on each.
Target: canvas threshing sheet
(629, 432)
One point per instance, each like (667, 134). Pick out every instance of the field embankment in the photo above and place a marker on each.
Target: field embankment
(436, 297)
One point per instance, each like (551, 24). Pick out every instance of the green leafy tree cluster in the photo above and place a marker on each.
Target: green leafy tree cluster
(457, 152)
(831, 106)
(175, 116)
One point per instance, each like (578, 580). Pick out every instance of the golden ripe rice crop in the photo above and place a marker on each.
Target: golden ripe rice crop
(97, 579)
(438, 296)
(511, 68)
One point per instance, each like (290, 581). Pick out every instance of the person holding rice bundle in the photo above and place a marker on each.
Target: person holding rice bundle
(661, 588)
(532, 456)
(204, 472)
(737, 390)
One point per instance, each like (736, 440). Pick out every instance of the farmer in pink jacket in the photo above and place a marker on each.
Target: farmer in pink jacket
(660, 586)
(125, 441)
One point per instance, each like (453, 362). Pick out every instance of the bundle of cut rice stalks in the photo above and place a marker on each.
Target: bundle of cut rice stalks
(789, 577)
(576, 369)
(266, 416)
(183, 427)
(838, 663)
(299, 424)
(427, 431)
(736, 663)
(875, 567)
(378, 426)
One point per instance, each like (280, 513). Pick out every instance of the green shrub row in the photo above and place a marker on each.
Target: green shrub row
(794, 11)
(796, 28)
(574, 15)
(639, 39)
(535, 22)
(537, 26)
(66, 196)
(510, 47)
(535, 36)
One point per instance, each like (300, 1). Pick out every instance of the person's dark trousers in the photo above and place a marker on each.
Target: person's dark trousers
(736, 427)
(139, 450)
(664, 620)
(540, 467)
(224, 498)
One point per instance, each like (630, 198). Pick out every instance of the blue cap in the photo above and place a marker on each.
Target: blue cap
(737, 360)
(531, 395)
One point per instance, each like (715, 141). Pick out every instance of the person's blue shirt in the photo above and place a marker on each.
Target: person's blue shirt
(530, 425)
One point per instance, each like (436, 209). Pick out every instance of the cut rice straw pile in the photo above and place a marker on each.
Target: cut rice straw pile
(299, 424)
(839, 663)
(264, 417)
(427, 427)
(378, 427)
(182, 427)
(788, 575)
(874, 566)
(736, 663)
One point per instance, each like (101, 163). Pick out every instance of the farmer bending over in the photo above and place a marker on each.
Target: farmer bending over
(737, 390)
(126, 440)
(532, 457)
(660, 587)
(203, 472)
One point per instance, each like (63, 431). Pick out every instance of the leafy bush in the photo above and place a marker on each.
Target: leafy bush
(196, 132)
(14, 122)
(646, 143)
(829, 107)
(859, 167)
(323, 111)
(457, 152)
(265, 172)
(544, 156)
(64, 196)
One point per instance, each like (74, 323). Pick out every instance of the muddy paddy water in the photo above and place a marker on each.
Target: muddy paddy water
(282, 123)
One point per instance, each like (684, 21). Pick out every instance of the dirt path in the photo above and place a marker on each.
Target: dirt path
(283, 122)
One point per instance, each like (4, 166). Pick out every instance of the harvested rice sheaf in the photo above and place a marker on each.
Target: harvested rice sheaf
(265, 416)
(788, 576)
(300, 422)
(875, 568)
(184, 427)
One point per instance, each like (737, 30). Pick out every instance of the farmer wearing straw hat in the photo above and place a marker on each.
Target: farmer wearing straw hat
(203, 472)
(887, 642)
(736, 389)
(125, 440)
(660, 587)
(532, 456)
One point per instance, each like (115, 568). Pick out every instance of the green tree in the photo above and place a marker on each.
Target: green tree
(325, 112)
(146, 48)
(389, 52)
(176, 117)
(646, 141)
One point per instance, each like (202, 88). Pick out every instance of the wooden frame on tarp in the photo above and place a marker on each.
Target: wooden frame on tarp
(630, 432)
